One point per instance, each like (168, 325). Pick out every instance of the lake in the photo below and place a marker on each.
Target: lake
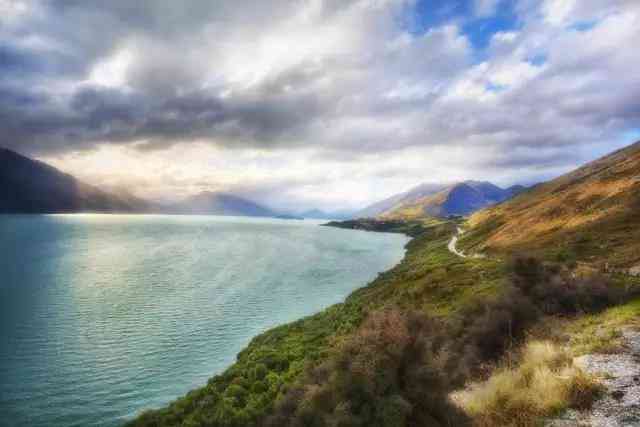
(102, 316)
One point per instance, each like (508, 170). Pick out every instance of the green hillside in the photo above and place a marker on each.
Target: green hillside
(393, 352)
(429, 279)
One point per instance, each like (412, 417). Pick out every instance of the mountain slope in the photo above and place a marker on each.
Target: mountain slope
(386, 205)
(591, 214)
(29, 186)
(442, 200)
(216, 203)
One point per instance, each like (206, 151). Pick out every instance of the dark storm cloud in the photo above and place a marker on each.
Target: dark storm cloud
(162, 103)
(15, 61)
(99, 114)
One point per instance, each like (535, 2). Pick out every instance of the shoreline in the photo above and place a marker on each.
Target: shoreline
(410, 228)
(399, 227)
(429, 279)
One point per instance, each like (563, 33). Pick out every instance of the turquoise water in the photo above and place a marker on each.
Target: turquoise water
(102, 316)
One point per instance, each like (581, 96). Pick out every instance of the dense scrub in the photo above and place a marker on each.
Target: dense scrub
(399, 367)
(389, 373)
(239, 397)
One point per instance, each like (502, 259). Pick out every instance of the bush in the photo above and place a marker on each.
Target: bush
(554, 293)
(484, 332)
(399, 367)
(543, 383)
(389, 373)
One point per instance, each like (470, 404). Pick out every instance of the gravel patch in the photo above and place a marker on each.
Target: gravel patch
(620, 374)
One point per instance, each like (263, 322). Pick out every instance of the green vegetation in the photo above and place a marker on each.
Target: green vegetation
(410, 228)
(390, 372)
(394, 350)
(398, 368)
(601, 332)
(440, 318)
(429, 280)
(246, 391)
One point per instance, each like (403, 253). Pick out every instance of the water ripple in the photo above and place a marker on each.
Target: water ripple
(104, 316)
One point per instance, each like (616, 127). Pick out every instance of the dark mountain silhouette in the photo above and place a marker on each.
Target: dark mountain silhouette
(30, 186)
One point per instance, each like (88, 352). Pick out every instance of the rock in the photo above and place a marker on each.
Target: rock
(617, 394)
(619, 374)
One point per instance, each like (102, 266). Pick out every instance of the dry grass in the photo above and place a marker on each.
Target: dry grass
(416, 209)
(543, 383)
(591, 212)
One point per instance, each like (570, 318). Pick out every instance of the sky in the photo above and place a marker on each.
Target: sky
(328, 104)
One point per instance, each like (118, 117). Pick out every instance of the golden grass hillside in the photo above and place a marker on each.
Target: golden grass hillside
(590, 215)
(416, 209)
(460, 198)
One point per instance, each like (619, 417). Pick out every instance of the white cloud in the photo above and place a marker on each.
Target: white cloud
(112, 71)
(328, 102)
(557, 12)
(13, 10)
(504, 37)
(486, 8)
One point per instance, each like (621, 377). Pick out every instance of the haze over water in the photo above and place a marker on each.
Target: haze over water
(102, 316)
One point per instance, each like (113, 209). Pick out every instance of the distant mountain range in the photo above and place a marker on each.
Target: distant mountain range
(219, 203)
(389, 204)
(440, 200)
(30, 186)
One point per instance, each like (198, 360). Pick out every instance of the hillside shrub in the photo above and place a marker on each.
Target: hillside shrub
(395, 368)
(399, 367)
(388, 374)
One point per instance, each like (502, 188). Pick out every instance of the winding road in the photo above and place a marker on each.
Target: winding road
(453, 242)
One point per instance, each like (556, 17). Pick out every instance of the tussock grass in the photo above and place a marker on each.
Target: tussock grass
(602, 332)
(543, 382)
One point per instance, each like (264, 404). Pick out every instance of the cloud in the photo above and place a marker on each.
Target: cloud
(319, 86)
(484, 8)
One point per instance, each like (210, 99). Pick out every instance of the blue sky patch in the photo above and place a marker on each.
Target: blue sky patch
(584, 25)
(428, 14)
